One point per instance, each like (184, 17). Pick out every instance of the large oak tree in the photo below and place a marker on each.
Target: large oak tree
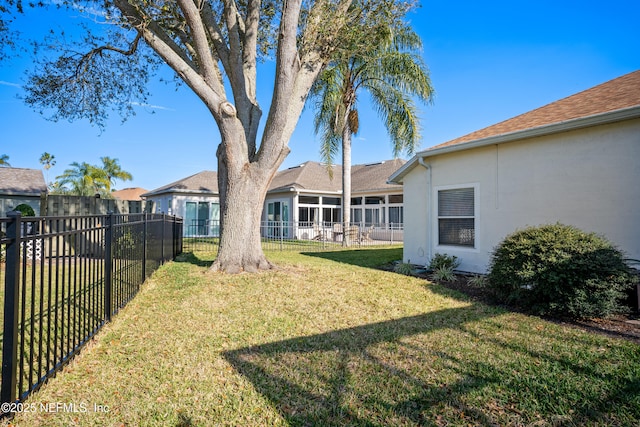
(214, 47)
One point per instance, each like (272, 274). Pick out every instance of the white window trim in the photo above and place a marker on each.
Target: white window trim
(476, 215)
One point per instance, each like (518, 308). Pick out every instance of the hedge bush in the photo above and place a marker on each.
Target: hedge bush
(25, 209)
(560, 270)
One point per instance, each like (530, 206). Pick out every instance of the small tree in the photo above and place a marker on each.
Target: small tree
(48, 161)
(4, 160)
(391, 70)
(25, 210)
(113, 172)
(83, 179)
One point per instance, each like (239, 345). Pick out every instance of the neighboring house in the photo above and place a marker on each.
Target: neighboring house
(304, 197)
(194, 198)
(308, 197)
(131, 193)
(574, 161)
(19, 185)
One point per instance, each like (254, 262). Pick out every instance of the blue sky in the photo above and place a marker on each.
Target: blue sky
(489, 61)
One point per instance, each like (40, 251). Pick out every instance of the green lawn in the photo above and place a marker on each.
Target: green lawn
(328, 340)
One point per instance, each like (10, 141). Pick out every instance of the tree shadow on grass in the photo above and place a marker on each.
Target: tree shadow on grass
(370, 258)
(191, 258)
(360, 376)
(433, 369)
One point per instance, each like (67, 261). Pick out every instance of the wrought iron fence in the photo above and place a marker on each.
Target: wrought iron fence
(300, 235)
(64, 278)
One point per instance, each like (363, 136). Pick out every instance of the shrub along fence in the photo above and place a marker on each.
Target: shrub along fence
(64, 278)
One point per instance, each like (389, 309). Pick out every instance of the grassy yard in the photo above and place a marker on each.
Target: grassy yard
(328, 340)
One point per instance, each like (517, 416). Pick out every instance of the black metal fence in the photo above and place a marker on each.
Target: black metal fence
(299, 235)
(65, 277)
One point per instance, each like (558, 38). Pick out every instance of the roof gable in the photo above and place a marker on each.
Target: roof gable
(131, 193)
(310, 176)
(22, 182)
(610, 102)
(374, 176)
(617, 94)
(201, 182)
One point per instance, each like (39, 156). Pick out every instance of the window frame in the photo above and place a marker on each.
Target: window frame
(475, 217)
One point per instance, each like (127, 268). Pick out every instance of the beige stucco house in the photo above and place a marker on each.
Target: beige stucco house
(574, 161)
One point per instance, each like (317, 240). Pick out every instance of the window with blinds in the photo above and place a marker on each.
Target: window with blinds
(456, 217)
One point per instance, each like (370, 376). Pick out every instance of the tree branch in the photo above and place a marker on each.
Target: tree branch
(215, 34)
(212, 95)
(86, 58)
(249, 55)
(209, 69)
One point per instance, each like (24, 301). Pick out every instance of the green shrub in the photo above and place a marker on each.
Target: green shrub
(25, 209)
(403, 268)
(443, 274)
(477, 281)
(440, 261)
(560, 270)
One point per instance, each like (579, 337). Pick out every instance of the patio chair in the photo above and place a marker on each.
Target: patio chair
(337, 231)
(320, 233)
(352, 233)
(365, 236)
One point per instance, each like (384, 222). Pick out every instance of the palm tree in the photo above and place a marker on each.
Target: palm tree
(47, 160)
(4, 161)
(393, 73)
(113, 171)
(84, 179)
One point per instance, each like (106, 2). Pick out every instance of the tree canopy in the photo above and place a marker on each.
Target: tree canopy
(214, 48)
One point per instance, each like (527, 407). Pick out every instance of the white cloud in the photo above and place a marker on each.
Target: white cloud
(3, 83)
(153, 107)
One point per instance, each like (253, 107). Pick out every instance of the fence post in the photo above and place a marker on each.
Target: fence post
(162, 242)
(324, 236)
(108, 266)
(179, 233)
(391, 225)
(11, 304)
(144, 246)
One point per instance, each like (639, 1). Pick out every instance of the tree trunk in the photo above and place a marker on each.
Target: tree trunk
(240, 243)
(243, 181)
(346, 186)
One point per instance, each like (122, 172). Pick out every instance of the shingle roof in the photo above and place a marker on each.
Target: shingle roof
(129, 193)
(617, 94)
(202, 182)
(309, 176)
(22, 182)
(371, 177)
(313, 176)
(610, 102)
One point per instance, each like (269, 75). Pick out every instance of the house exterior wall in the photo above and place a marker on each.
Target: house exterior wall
(8, 203)
(176, 204)
(587, 178)
(416, 216)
